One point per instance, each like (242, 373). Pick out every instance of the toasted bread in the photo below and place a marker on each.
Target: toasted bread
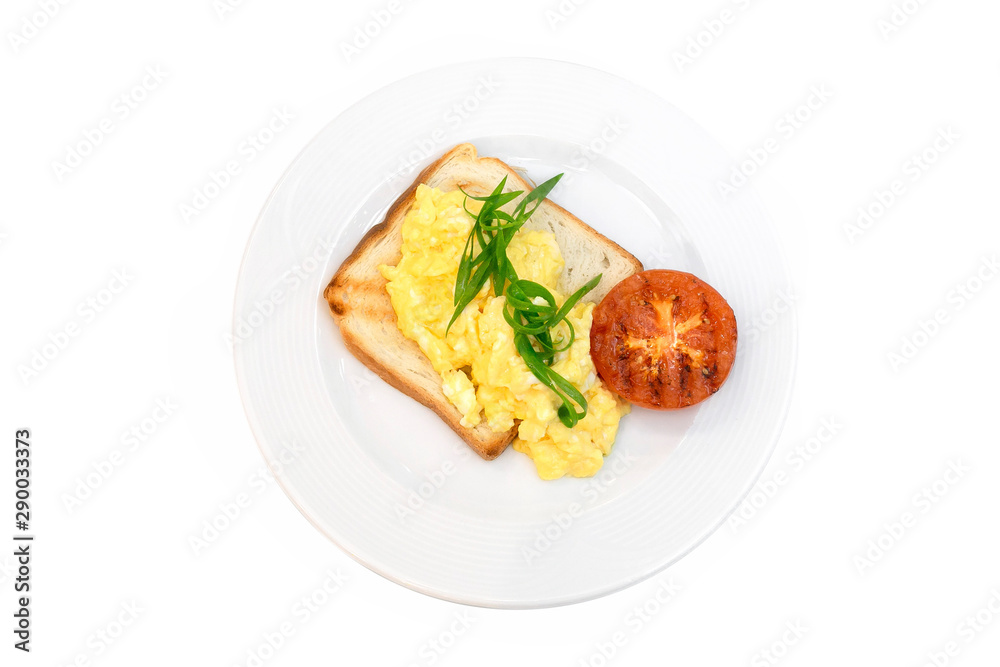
(360, 304)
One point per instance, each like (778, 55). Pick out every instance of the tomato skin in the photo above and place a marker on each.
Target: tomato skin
(663, 339)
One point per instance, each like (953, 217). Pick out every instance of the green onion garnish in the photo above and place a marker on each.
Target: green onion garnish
(531, 309)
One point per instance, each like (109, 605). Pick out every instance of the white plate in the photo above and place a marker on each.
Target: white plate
(381, 475)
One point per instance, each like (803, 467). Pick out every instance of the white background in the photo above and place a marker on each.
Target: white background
(797, 559)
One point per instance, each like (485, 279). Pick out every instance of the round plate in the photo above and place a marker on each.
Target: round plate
(381, 475)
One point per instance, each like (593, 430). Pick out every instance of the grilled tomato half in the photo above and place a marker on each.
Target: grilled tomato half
(663, 339)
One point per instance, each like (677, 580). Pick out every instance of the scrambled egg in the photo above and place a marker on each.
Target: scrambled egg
(481, 371)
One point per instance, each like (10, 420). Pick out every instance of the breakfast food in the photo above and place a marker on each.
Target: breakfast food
(664, 339)
(480, 307)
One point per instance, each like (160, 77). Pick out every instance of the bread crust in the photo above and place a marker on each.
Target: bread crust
(356, 296)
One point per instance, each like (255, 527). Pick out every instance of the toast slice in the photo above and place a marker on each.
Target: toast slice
(361, 307)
